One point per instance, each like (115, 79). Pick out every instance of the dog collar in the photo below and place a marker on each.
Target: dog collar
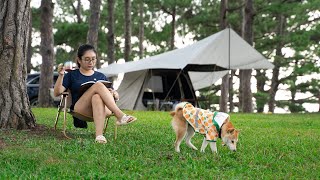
(220, 130)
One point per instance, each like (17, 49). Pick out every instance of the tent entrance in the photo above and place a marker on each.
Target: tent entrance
(163, 88)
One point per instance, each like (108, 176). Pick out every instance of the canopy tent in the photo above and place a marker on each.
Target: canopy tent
(158, 88)
(202, 62)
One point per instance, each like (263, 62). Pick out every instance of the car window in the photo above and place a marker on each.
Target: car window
(31, 76)
(35, 80)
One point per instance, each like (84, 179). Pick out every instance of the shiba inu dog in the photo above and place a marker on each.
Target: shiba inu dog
(213, 125)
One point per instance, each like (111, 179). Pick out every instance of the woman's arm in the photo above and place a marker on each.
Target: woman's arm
(58, 88)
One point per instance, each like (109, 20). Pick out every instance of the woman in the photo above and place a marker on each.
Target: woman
(98, 101)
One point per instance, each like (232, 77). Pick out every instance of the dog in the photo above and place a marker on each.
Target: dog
(213, 125)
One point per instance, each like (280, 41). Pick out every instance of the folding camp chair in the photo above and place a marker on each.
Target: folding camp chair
(64, 106)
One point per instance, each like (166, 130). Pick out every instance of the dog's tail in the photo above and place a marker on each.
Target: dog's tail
(178, 108)
(178, 121)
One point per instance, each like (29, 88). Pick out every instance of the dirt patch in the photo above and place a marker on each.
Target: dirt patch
(10, 138)
(42, 131)
(39, 130)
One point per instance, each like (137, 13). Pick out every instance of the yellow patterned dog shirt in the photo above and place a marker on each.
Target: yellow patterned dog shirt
(204, 121)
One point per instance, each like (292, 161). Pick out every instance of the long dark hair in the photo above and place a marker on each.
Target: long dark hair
(83, 49)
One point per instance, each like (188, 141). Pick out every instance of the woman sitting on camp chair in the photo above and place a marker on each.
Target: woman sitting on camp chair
(98, 101)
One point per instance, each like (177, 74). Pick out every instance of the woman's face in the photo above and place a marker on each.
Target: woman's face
(88, 60)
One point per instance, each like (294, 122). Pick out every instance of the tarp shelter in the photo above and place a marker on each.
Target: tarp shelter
(201, 64)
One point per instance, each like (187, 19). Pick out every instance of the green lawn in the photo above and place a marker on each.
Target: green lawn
(271, 146)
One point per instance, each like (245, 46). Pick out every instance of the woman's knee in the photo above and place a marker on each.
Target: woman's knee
(99, 86)
(96, 99)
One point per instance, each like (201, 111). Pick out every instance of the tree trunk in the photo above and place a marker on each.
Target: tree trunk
(110, 34)
(223, 101)
(141, 29)
(127, 36)
(77, 10)
(245, 81)
(261, 82)
(223, 14)
(245, 77)
(173, 27)
(319, 101)
(47, 53)
(29, 55)
(276, 70)
(14, 104)
(92, 36)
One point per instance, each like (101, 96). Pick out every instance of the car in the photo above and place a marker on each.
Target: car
(31, 76)
(33, 81)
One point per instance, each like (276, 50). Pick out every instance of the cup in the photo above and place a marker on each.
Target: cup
(68, 66)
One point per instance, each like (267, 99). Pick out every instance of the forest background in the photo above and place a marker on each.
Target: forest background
(287, 32)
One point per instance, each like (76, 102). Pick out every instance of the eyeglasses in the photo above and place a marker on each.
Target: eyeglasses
(88, 60)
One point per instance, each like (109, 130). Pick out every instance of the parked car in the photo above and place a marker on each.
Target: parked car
(33, 81)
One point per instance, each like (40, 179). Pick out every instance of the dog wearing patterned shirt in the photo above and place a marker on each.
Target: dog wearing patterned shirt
(213, 125)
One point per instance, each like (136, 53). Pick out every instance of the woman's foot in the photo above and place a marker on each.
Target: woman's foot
(126, 119)
(101, 139)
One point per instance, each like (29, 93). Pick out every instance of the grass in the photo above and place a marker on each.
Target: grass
(271, 146)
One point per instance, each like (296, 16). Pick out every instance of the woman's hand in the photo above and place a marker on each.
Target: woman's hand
(60, 69)
(114, 93)
(58, 88)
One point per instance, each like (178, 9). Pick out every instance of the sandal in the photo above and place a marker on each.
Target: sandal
(101, 139)
(126, 119)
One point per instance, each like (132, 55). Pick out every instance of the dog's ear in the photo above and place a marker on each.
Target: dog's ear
(230, 130)
(172, 113)
(228, 119)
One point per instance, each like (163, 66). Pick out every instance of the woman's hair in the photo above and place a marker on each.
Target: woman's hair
(83, 49)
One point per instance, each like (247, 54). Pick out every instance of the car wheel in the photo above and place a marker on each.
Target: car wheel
(34, 102)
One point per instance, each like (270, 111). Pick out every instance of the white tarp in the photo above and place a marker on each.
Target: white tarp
(225, 49)
(204, 79)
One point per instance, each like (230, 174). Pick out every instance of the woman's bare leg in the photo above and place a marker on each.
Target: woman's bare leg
(84, 104)
(100, 111)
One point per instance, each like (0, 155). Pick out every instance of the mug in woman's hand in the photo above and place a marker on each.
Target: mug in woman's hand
(68, 66)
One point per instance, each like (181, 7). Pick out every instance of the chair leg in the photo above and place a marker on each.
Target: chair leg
(115, 131)
(57, 119)
(65, 120)
(106, 126)
(58, 114)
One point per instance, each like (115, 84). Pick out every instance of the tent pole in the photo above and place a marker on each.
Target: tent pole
(156, 106)
(229, 50)
(141, 89)
(192, 90)
(165, 99)
(182, 96)
(229, 83)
